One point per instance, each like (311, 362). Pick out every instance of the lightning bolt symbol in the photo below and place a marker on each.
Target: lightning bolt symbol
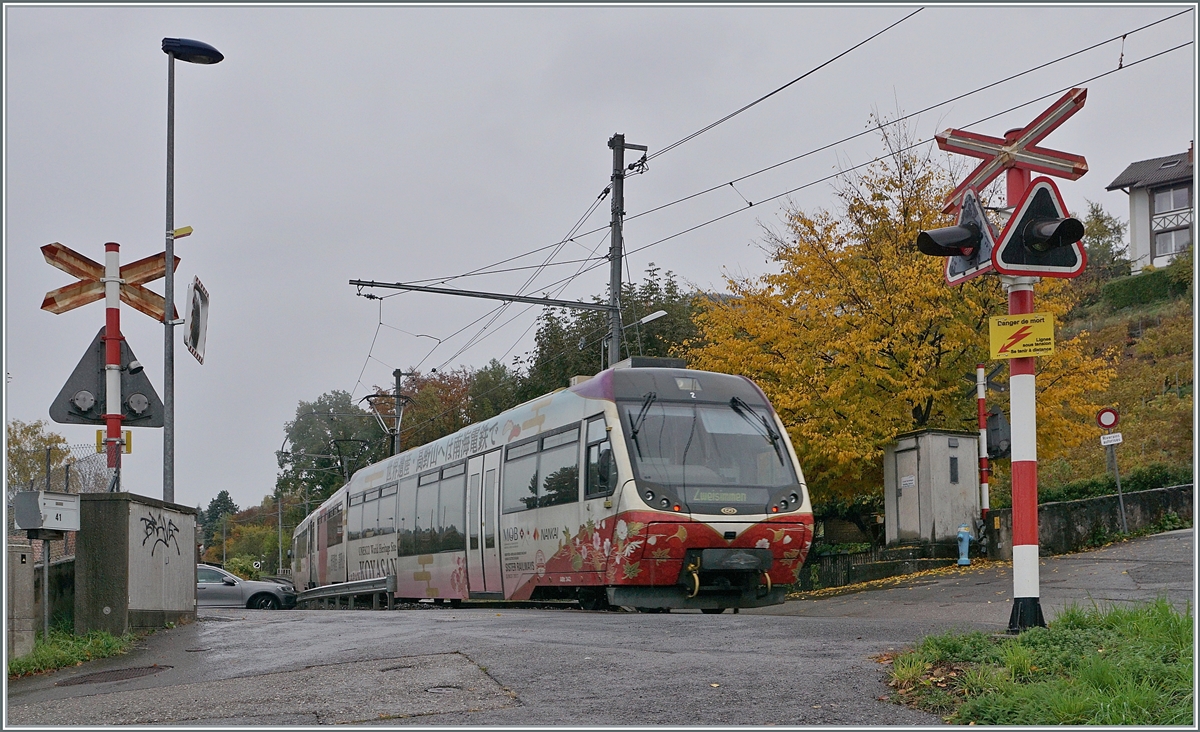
(1016, 338)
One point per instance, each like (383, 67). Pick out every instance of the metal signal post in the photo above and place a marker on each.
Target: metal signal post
(618, 145)
(1039, 240)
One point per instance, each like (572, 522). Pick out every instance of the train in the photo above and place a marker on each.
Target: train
(648, 485)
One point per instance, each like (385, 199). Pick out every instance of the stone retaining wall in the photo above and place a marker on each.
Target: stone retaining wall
(1068, 526)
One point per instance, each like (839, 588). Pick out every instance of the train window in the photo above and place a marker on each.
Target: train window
(301, 544)
(406, 512)
(601, 476)
(454, 470)
(371, 495)
(473, 513)
(489, 510)
(427, 527)
(521, 450)
(559, 468)
(428, 478)
(387, 510)
(452, 503)
(560, 438)
(354, 518)
(333, 527)
(389, 489)
(520, 483)
(596, 429)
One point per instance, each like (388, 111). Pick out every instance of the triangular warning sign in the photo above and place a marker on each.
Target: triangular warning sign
(84, 397)
(961, 268)
(1015, 255)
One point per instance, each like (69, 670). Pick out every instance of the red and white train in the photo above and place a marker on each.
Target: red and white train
(647, 487)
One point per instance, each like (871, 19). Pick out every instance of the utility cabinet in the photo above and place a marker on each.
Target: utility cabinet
(21, 623)
(931, 485)
(135, 563)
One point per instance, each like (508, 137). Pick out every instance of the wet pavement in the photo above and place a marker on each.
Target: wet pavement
(806, 662)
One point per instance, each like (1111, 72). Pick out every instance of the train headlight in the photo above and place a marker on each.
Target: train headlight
(794, 498)
(649, 496)
(665, 503)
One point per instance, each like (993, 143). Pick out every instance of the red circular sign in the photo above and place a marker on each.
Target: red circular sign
(1107, 418)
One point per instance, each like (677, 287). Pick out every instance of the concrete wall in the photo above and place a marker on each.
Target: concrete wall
(62, 590)
(1139, 229)
(135, 565)
(1069, 526)
(20, 622)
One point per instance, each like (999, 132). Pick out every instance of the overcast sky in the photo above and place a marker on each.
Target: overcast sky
(407, 143)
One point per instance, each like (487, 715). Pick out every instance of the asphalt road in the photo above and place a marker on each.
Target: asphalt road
(806, 662)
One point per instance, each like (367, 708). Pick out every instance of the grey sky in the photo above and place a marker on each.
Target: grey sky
(405, 143)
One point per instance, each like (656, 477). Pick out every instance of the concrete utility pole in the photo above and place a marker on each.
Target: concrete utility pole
(618, 145)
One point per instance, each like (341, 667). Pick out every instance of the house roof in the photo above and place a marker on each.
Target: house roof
(1146, 173)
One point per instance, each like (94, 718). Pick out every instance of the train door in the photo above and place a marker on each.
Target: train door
(322, 549)
(483, 556)
(311, 559)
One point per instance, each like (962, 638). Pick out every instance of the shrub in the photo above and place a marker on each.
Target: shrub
(242, 566)
(1147, 287)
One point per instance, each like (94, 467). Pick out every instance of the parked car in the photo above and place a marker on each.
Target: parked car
(217, 588)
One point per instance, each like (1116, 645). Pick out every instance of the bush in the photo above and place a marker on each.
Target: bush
(1148, 286)
(1144, 478)
(242, 566)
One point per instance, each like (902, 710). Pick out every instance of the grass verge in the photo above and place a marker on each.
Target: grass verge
(1115, 665)
(63, 648)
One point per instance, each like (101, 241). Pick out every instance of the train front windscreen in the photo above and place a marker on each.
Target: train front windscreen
(712, 458)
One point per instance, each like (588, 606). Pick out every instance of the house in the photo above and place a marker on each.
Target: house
(1160, 208)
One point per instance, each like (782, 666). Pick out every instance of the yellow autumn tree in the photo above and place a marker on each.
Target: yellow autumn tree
(857, 338)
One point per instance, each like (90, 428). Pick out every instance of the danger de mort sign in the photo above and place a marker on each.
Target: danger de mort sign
(1021, 336)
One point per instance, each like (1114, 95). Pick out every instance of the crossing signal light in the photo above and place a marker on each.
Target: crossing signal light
(967, 245)
(1040, 239)
(950, 241)
(999, 434)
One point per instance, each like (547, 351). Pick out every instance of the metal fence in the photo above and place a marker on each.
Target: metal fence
(72, 469)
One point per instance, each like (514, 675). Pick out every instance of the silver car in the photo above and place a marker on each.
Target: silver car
(218, 588)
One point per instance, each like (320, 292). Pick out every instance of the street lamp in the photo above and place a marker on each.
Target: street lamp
(193, 52)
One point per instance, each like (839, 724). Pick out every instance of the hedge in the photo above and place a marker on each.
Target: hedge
(1144, 288)
(1145, 478)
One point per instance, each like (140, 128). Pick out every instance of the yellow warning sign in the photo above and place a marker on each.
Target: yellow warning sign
(1019, 336)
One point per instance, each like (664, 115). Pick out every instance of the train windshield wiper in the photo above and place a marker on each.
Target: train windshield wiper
(761, 424)
(637, 423)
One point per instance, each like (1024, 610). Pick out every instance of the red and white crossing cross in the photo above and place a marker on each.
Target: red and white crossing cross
(1018, 149)
(90, 289)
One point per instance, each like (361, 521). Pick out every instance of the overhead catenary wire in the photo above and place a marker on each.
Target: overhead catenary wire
(486, 269)
(764, 97)
(600, 261)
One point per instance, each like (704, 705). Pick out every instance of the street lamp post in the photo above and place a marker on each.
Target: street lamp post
(197, 53)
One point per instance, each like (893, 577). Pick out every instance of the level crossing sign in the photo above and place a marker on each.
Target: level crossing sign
(90, 287)
(1017, 149)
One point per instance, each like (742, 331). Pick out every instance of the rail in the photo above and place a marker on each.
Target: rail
(385, 586)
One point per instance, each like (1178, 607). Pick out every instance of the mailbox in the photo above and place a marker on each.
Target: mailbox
(46, 511)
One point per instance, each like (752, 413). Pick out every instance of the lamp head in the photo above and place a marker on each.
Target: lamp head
(194, 52)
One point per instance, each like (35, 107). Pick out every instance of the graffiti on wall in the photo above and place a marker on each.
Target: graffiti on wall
(161, 530)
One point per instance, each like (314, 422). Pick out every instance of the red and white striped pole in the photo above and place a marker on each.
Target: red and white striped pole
(981, 396)
(112, 362)
(1027, 608)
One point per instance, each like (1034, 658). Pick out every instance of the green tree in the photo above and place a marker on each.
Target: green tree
(25, 454)
(218, 509)
(1104, 240)
(329, 439)
(493, 389)
(569, 343)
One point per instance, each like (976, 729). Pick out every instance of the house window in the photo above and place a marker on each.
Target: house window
(1167, 243)
(1171, 199)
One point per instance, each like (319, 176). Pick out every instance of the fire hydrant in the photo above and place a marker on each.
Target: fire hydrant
(964, 544)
